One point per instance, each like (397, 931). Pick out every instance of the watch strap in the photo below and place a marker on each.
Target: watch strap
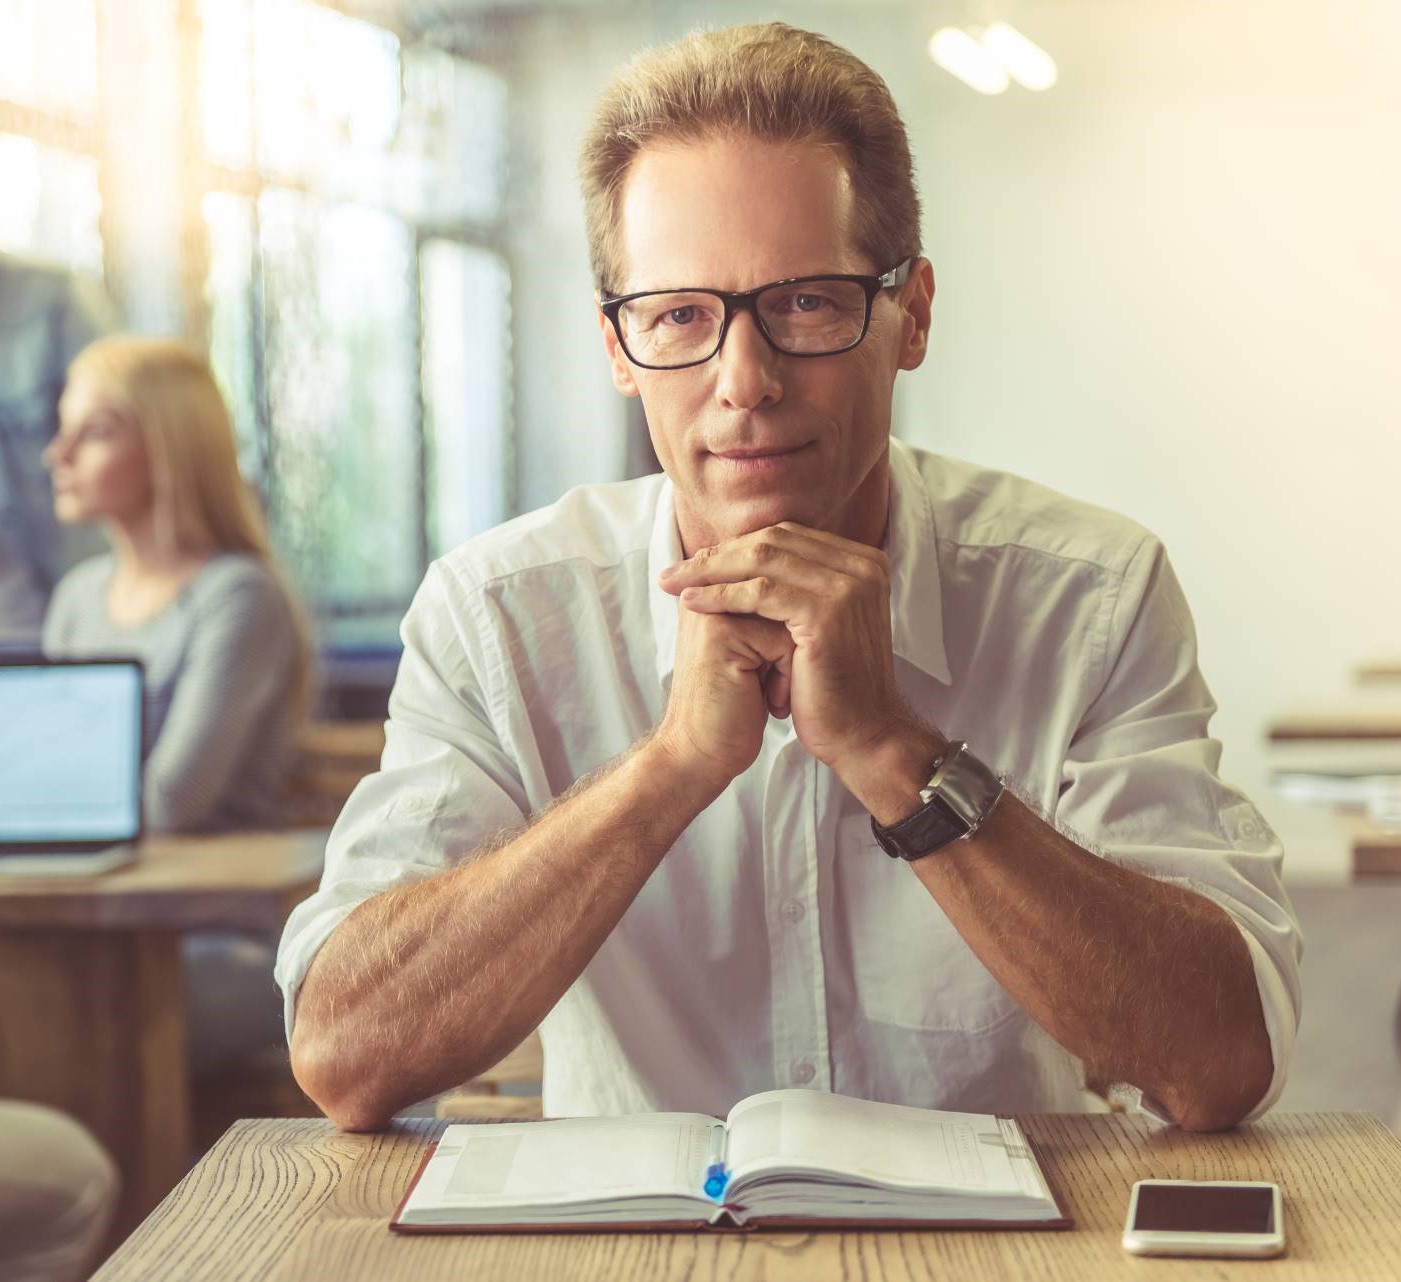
(931, 826)
(959, 796)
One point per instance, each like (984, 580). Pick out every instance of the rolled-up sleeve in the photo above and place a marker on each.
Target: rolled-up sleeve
(1141, 781)
(445, 786)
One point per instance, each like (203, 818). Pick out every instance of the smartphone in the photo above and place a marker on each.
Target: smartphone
(1205, 1217)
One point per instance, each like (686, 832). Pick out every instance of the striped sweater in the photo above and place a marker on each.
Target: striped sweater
(220, 666)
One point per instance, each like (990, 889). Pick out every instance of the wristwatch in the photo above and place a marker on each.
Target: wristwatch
(957, 799)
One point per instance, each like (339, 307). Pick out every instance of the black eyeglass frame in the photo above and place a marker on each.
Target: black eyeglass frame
(744, 300)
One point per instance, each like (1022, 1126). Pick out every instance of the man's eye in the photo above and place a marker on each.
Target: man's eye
(680, 315)
(808, 302)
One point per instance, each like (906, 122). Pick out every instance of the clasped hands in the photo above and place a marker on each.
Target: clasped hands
(787, 620)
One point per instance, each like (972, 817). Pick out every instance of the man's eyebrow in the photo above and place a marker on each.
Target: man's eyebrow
(721, 289)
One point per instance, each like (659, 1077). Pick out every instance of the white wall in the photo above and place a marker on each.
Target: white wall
(1171, 285)
(571, 424)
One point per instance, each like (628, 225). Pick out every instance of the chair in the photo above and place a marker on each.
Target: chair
(330, 758)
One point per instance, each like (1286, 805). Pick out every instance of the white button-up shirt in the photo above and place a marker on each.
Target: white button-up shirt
(776, 945)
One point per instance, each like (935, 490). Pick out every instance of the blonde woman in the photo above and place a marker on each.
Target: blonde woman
(145, 447)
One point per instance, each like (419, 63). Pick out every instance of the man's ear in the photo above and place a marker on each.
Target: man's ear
(916, 300)
(617, 359)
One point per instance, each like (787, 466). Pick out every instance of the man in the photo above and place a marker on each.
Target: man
(647, 748)
(46, 318)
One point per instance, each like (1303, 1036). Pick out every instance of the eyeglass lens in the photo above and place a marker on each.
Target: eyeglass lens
(814, 316)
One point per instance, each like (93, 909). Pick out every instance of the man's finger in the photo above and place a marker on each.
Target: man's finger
(778, 686)
(777, 552)
(834, 541)
(766, 597)
(735, 562)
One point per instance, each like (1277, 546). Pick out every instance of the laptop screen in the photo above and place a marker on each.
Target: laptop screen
(70, 752)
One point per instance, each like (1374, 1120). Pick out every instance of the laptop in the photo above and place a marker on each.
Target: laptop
(70, 764)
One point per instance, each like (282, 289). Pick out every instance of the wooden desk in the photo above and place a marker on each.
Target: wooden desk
(92, 1002)
(1376, 852)
(296, 1201)
(1341, 724)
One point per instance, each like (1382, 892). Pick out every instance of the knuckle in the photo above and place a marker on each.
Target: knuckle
(845, 589)
(875, 573)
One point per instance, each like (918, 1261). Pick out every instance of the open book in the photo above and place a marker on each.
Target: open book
(781, 1157)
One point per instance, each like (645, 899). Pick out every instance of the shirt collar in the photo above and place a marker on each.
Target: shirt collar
(916, 593)
(916, 607)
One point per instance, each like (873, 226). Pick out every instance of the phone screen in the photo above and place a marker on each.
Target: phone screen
(1187, 1208)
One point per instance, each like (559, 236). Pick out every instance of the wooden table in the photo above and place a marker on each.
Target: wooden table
(1349, 723)
(1376, 852)
(297, 1201)
(92, 1002)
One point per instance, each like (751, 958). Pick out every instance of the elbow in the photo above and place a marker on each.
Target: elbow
(346, 1098)
(1206, 1109)
(1207, 1120)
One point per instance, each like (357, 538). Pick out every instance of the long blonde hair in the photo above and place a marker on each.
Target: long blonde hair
(766, 80)
(202, 503)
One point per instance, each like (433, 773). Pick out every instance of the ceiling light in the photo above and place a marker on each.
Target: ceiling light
(1029, 64)
(962, 56)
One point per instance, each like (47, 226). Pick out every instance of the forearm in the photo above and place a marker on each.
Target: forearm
(1146, 981)
(422, 987)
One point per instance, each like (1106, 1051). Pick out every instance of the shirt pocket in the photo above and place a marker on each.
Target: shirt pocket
(910, 967)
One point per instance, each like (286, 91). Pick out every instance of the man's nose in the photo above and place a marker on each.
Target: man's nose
(748, 367)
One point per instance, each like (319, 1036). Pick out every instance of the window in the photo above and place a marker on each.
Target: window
(51, 208)
(324, 205)
(357, 301)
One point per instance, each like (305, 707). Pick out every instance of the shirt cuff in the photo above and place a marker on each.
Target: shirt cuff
(301, 941)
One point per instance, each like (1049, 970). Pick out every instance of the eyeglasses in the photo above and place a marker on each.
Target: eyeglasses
(803, 316)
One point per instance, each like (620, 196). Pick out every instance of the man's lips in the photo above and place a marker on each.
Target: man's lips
(757, 452)
(757, 460)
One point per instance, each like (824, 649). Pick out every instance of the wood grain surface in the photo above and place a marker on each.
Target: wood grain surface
(298, 1201)
(248, 880)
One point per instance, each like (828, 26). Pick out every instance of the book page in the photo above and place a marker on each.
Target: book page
(568, 1160)
(882, 1143)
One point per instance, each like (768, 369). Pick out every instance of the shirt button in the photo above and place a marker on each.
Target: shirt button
(793, 911)
(1249, 829)
(803, 1072)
